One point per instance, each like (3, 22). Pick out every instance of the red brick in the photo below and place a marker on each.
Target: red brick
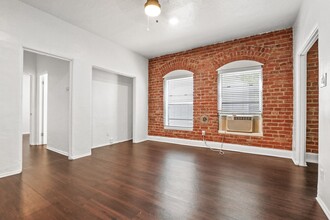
(274, 50)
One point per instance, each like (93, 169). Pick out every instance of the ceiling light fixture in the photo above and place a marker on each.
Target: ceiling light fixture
(152, 8)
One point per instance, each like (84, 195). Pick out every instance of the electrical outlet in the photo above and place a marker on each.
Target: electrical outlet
(111, 140)
(203, 133)
(322, 174)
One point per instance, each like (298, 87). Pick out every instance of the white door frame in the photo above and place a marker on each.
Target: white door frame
(43, 106)
(300, 107)
(70, 89)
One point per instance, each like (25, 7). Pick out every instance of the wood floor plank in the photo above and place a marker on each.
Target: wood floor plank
(152, 180)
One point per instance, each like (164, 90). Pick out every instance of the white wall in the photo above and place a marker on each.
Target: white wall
(11, 75)
(32, 28)
(112, 108)
(312, 14)
(26, 104)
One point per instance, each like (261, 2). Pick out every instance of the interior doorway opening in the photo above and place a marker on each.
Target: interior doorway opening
(112, 108)
(299, 147)
(46, 103)
(312, 104)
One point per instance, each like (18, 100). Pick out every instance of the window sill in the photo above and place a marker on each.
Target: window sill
(178, 128)
(242, 133)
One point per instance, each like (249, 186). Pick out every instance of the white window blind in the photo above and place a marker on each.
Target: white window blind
(240, 92)
(179, 102)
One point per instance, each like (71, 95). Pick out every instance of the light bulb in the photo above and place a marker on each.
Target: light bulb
(152, 10)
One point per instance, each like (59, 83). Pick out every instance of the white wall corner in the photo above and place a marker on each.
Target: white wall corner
(323, 206)
(229, 147)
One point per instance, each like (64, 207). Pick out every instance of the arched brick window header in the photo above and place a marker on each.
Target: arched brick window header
(178, 74)
(239, 64)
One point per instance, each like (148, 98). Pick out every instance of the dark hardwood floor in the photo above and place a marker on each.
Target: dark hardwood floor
(158, 181)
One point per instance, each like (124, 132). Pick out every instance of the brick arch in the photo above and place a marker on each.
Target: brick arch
(180, 64)
(259, 54)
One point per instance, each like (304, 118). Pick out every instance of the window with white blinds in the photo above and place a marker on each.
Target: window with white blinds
(240, 91)
(179, 102)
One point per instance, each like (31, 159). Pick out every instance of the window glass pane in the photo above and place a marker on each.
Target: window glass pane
(180, 90)
(179, 102)
(240, 92)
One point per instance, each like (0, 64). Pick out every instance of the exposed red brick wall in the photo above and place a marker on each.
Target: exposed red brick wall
(274, 50)
(312, 133)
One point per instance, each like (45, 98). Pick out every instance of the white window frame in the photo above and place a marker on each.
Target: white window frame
(253, 114)
(166, 89)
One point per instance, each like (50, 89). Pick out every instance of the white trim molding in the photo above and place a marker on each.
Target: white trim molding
(113, 143)
(80, 156)
(139, 140)
(229, 147)
(57, 151)
(101, 145)
(10, 173)
(325, 209)
(312, 158)
(300, 100)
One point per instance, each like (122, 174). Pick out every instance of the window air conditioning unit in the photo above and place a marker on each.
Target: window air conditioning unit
(240, 124)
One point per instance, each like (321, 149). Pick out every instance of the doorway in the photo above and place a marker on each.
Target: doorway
(300, 108)
(48, 104)
(312, 104)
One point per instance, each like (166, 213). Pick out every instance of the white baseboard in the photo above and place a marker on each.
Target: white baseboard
(75, 157)
(312, 158)
(10, 173)
(230, 147)
(36, 144)
(57, 151)
(140, 141)
(325, 209)
(26, 133)
(108, 144)
(101, 145)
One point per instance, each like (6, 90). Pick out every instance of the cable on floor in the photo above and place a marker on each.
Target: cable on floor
(220, 151)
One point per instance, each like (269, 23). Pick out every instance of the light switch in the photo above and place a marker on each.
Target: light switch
(324, 80)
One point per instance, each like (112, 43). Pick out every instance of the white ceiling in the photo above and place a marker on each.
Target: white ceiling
(201, 22)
